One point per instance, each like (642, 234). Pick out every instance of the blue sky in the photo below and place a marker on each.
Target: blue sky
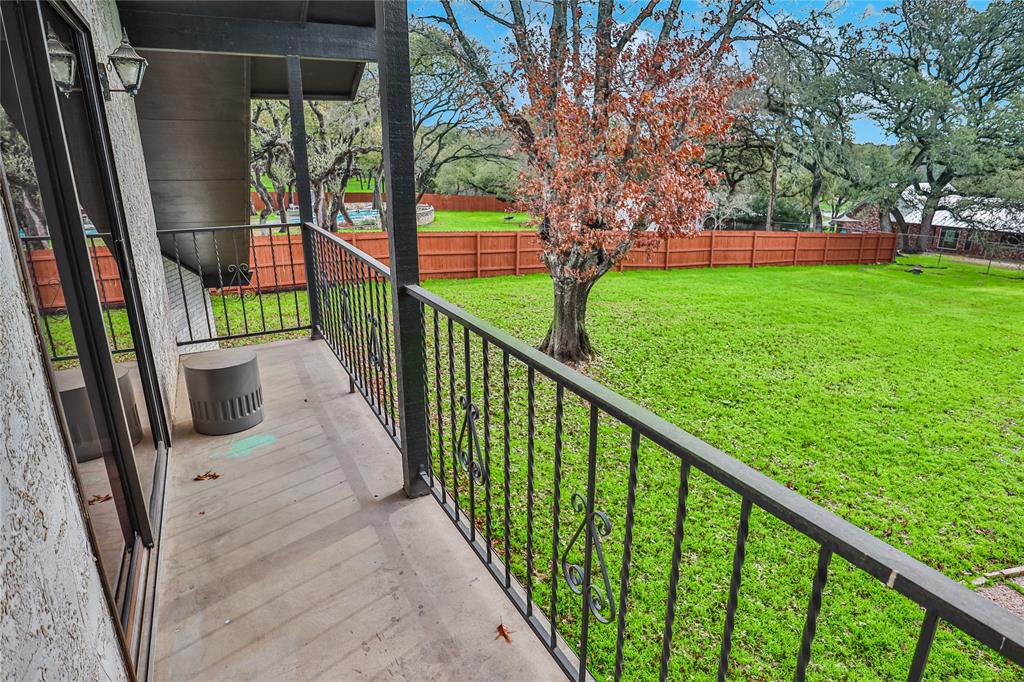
(492, 35)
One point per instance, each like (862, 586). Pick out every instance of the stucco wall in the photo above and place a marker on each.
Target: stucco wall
(54, 620)
(138, 205)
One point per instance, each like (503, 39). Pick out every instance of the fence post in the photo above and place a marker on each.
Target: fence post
(478, 255)
(796, 249)
(753, 251)
(711, 254)
(860, 250)
(400, 216)
(518, 233)
(302, 182)
(824, 257)
(668, 240)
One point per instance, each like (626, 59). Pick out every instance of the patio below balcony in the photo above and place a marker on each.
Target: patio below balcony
(304, 559)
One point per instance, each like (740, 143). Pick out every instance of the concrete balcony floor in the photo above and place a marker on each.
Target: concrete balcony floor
(304, 559)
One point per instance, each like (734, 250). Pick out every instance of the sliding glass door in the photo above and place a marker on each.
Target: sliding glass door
(61, 197)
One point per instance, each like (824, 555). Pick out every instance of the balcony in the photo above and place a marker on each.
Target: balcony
(303, 560)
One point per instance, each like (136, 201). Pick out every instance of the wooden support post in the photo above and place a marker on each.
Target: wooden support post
(668, 241)
(298, 118)
(753, 251)
(796, 249)
(711, 253)
(478, 254)
(824, 257)
(400, 216)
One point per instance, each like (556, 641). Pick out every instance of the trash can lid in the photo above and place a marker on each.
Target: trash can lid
(218, 359)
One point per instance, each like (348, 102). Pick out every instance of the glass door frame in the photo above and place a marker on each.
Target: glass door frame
(25, 31)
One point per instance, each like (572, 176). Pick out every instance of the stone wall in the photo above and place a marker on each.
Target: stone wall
(54, 618)
(103, 20)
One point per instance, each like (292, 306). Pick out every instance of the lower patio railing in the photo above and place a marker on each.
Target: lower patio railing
(235, 282)
(601, 521)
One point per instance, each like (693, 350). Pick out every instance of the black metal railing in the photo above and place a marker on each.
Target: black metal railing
(579, 440)
(598, 518)
(354, 291)
(49, 295)
(236, 282)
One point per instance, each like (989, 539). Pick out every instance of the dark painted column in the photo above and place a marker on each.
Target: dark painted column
(400, 216)
(298, 118)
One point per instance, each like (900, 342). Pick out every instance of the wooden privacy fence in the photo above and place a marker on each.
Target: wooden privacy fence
(42, 268)
(445, 255)
(276, 261)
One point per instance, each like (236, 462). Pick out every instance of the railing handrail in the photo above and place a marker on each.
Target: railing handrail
(214, 228)
(362, 255)
(972, 613)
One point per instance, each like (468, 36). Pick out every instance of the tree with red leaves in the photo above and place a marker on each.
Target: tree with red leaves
(611, 122)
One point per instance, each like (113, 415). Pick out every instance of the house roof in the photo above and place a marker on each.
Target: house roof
(955, 211)
(964, 212)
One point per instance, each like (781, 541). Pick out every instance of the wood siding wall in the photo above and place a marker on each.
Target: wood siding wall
(276, 260)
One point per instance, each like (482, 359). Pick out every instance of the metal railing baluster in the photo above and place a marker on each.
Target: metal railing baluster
(530, 424)
(734, 588)
(924, 646)
(507, 469)
(466, 435)
(589, 539)
(813, 608)
(627, 549)
(451, 414)
(556, 513)
(485, 350)
(181, 284)
(677, 553)
(440, 412)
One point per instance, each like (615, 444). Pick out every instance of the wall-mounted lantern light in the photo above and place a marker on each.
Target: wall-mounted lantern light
(62, 62)
(128, 64)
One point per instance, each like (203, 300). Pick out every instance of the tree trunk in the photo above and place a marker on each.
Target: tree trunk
(567, 339)
(903, 231)
(816, 183)
(884, 220)
(773, 189)
(378, 203)
(339, 198)
(282, 202)
(924, 237)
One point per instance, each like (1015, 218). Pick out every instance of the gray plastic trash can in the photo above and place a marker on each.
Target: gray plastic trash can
(224, 391)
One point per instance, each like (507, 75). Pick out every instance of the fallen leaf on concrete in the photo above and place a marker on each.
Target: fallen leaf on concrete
(96, 499)
(207, 476)
(504, 633)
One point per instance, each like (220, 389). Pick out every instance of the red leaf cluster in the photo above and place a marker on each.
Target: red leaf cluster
(613, 142)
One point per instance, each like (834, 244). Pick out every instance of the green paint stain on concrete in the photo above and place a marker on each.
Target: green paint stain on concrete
(243, 448)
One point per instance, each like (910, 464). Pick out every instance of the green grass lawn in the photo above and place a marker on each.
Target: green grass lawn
(469, 221)
(894, 400)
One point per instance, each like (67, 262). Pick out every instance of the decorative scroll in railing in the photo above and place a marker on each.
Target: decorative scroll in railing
(235, 282)
(624, 541)
(354, 291)
(49, 295)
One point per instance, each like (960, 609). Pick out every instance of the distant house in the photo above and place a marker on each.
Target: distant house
(965, 225)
